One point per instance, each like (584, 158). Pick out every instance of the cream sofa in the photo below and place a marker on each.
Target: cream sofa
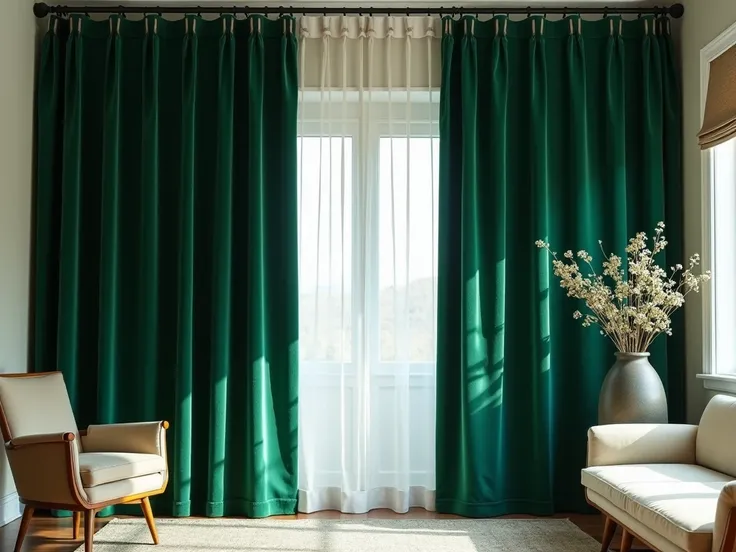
(673, 487)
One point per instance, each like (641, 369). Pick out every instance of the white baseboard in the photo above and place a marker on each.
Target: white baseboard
(10, 509)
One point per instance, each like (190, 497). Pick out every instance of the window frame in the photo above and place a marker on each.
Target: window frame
(318, 120)
(712, 379)
(335, 119)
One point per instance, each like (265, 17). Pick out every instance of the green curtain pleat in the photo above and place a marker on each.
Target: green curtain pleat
(563, 130)
(166, 245)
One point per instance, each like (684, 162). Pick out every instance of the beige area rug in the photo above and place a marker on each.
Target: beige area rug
(324, 535)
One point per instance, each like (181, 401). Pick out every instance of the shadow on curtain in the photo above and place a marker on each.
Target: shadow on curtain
(567, 131)
(166, 245)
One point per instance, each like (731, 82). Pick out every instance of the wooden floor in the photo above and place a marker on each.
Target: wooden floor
(48, 534)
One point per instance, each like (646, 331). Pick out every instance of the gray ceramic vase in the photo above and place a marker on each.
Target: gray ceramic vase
(632, 392)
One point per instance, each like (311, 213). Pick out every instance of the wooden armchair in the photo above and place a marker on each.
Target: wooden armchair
(56, 466)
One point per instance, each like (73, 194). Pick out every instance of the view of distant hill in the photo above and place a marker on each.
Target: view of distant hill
(417, 344)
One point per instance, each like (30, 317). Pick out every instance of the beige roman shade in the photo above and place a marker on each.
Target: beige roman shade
(719, 118)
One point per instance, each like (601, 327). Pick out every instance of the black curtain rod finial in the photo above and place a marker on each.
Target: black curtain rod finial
(677, 11)
(41, 9)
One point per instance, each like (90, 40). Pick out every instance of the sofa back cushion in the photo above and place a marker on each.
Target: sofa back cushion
(715, 445)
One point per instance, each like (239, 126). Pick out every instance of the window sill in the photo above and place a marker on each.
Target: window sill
(719, 382)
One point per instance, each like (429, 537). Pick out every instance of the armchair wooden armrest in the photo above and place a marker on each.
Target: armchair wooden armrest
(46, 469)
(40, 439)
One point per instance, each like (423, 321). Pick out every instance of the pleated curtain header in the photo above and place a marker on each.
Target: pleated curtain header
(351, 26)
(397, 52)
(719, 118)
(160, 26)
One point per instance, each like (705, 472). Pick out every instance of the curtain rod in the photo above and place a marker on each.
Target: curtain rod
(42, 9)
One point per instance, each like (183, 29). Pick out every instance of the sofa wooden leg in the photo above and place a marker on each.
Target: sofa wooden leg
(24, 523)
(608, 532)
(148, 513)
(627, 539)
(76, 520)
(89, 529)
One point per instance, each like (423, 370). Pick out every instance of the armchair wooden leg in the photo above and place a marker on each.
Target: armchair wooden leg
(148, 513)
(89, 529)
(24, 523)
(76, 521)
(608, 531)
(627, 539)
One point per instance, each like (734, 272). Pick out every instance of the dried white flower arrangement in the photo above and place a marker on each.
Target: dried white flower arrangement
(633, 306)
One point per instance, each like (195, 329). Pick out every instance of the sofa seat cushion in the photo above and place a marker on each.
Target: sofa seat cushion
(98, 468)
(678, 501)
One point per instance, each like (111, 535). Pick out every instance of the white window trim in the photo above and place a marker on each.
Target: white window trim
(711, 379)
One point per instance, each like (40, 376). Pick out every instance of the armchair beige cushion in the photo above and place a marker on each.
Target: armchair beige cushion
(671, 485)
(54, 465)
(37, 405)
(98, 468)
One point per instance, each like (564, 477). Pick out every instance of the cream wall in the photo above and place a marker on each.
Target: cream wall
(17, 68)
(704, 20)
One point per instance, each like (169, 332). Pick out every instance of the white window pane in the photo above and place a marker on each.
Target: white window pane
(408, 248)
(724, 269)
(325, 247)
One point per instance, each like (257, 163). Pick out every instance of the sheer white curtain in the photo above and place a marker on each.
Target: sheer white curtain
(368, 177)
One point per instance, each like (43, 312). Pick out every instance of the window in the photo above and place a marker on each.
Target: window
(721, 308)
(362, 228)
(368, 209)
(719, 235)
(723, 170)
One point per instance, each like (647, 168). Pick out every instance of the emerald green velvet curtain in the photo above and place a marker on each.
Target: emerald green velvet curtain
(561, 130)
(166, 244)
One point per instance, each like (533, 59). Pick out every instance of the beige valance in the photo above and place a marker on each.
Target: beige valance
(719, 118)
